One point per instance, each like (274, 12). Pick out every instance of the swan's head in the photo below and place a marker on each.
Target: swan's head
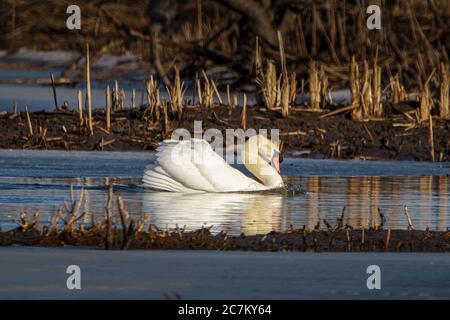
(268, 150)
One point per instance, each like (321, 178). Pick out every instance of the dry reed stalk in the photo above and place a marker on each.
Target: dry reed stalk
(88, 91)
(355, 86)
(158, 100)
(108, 108)
(208, 91)
(124, 216)
(30, 126)
(387, 239)
(285, 90)
(382, 218)
(228, 96)
(166, 124)
(80, 106)
(366, 90)
(116, 95)
(410, 224)
(431, 138)
(216, 92)
(293, 88)
(176, 94)
(340, 220)
(269, 85)
(398, 90)
(444, 91)
(282, 54)
(285, 97)
(133, 98)
(109, 223)
(334, 112)
(156, 113)
(314, 86)
(24, 225)
(152, 95)
(15, 108)
(324, 86)
(366, 93)
(235, 101)
(199, 92)
(377, 109)
(425, 103)
(52, 78)
(128, 226)
(244, 113)
(348, 240)
(73, 214)
(122, 99)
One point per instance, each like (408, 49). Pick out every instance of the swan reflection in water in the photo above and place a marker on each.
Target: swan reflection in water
(250, 213)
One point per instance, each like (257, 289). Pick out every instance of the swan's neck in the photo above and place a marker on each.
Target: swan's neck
(259, 167)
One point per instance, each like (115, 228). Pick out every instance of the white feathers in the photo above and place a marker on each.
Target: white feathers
(191, 166)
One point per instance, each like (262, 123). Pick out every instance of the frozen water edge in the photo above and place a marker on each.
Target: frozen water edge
(40, 273)
(50, 163)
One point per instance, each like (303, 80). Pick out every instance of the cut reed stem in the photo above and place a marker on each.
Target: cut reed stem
(52, 78)
(244, 113)
(444, 91)
(116, 95)
(108, 108)
(431, 138)
(133, 98)
(410, 224)
(80, 106)
(30, 126)
(88, 90)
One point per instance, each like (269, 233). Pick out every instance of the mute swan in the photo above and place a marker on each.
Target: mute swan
(191, 166)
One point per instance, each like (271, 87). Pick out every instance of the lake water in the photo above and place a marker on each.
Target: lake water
(29, 68)
(31, 180)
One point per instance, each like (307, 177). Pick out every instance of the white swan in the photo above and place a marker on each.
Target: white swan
(191, 166)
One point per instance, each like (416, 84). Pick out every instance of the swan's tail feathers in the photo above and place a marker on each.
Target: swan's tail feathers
(156, 178)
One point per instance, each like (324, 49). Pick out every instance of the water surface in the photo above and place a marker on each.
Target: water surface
(31, 180)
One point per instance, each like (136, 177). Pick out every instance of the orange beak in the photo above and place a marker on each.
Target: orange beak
(276, 163)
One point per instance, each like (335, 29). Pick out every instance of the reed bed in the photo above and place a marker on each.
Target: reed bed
(328, 132)
(278, 93)
(71, 226)
(412, 40)
(314, 43)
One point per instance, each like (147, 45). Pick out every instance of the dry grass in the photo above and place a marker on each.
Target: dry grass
(176, 94)
(366, 90)
(444, 92)
(72, 226)
(412, 40)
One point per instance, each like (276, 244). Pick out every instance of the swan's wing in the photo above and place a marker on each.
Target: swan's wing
(192, 165)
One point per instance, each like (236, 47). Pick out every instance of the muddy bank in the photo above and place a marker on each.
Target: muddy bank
(69, 227)
(330, 240)
(304, 133)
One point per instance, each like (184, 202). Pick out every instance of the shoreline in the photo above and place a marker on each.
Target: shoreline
(40, 273)
(136, 236)
(304, 133)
